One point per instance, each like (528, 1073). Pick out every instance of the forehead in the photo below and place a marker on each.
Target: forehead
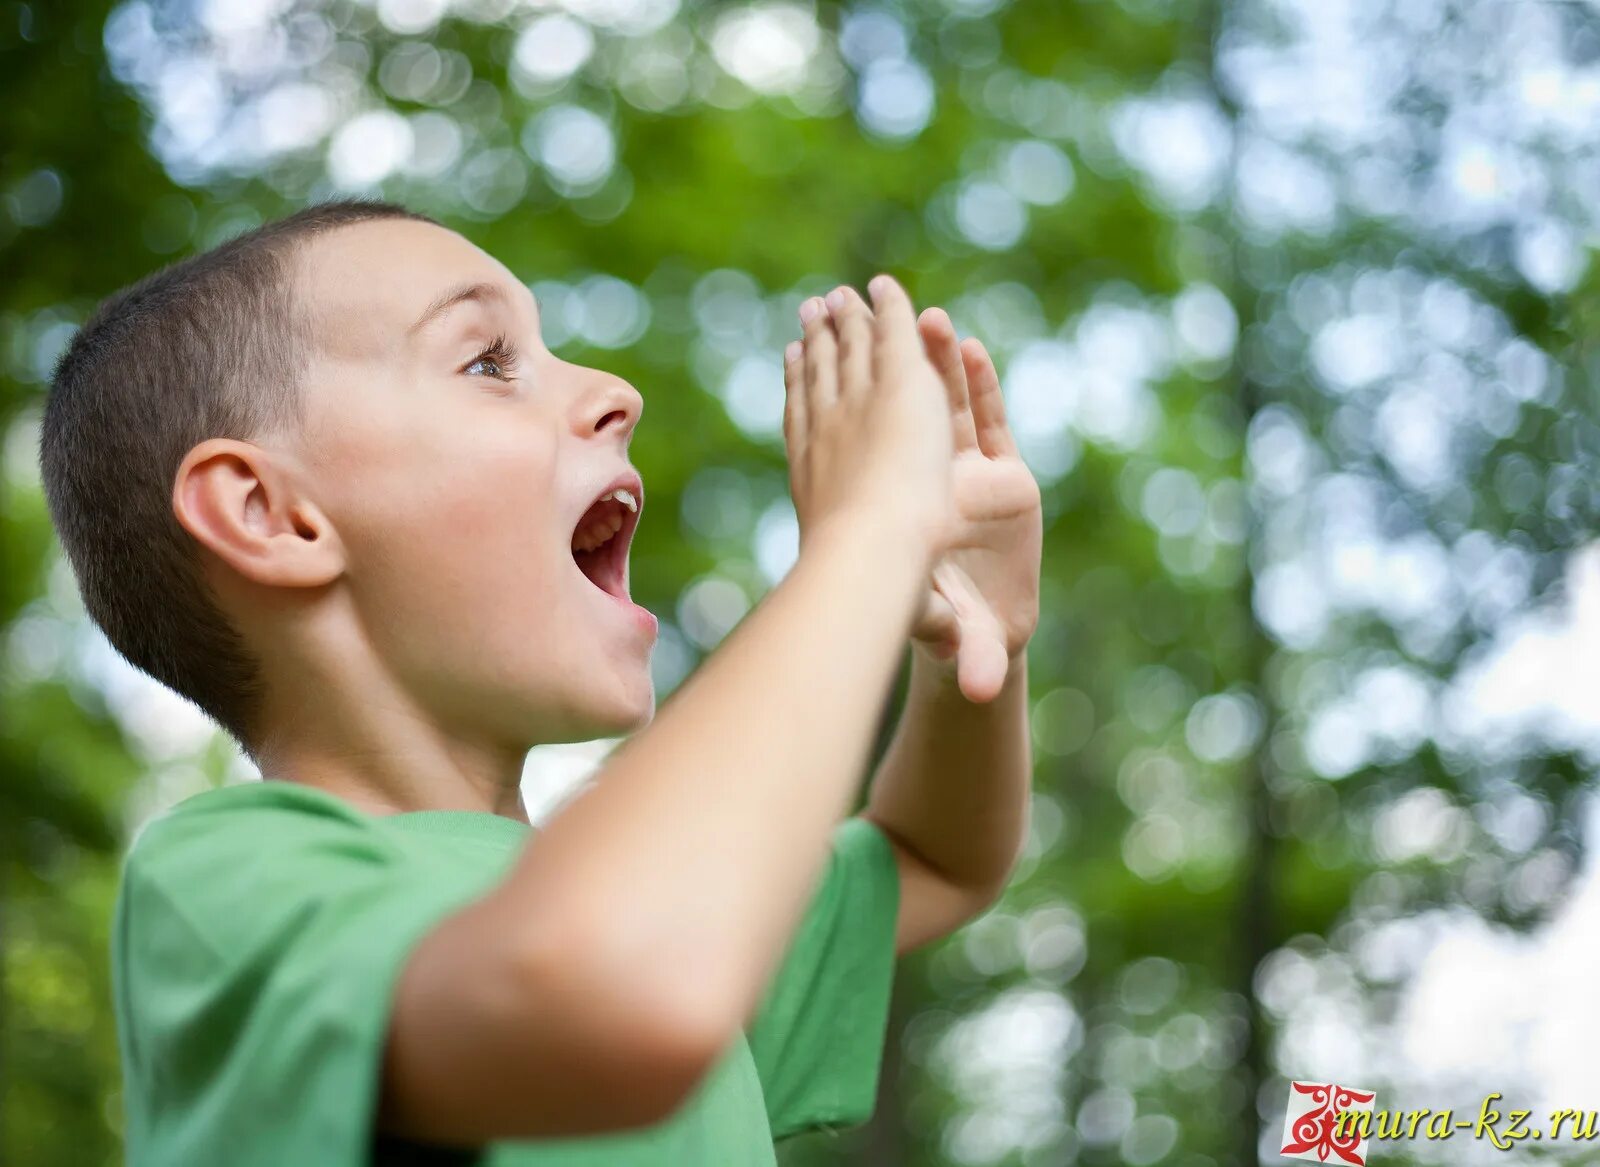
(365, 284)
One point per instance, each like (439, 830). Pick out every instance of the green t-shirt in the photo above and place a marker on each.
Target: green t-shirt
(261, 928)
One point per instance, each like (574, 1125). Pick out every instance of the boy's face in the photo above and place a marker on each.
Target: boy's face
(485, 574)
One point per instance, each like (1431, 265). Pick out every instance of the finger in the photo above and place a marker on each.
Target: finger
(981, 659)
(988, 404)
(794, 397)
(821, 359)
(939, 341)
(852, 323)
(854, 297)
(981, 665)
(894, 323)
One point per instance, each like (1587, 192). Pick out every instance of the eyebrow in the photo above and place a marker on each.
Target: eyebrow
(478, 291)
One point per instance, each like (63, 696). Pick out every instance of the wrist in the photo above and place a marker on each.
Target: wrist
(877, 539)
(863, 563)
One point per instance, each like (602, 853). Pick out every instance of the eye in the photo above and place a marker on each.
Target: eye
(500, 355)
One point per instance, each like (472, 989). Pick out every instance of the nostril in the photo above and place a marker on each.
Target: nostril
(616, 415)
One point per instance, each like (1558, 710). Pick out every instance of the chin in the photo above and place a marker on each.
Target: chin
(631, 714)
(622, 710)
(625, 726)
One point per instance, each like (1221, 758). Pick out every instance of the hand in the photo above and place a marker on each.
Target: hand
(865, 421)
(983, 601)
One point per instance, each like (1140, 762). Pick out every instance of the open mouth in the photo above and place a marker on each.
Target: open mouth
(600, 540)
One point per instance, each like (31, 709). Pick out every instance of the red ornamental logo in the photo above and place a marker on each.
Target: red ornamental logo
(1311, 1127)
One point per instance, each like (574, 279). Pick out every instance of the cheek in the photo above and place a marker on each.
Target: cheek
(458, 513)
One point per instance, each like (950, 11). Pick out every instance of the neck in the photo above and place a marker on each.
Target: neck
(342, 723)
(409, 772)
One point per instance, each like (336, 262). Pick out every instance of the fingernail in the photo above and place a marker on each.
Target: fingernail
(836, 299)
(878, 286)
(791, 353)
(809, 309)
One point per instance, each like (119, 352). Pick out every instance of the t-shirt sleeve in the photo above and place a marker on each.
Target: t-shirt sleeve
(257, 952)
(818, 1037)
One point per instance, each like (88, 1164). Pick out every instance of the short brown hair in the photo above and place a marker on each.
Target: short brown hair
(213, 346)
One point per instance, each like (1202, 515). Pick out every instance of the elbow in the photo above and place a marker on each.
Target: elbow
(1018, 854)
(983, 896)
(678, 1047)
(994, 887)
(984, 892)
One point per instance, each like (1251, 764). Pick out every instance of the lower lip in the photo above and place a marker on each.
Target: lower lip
(642, 618)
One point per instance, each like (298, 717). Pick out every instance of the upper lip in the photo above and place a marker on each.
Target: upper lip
(628, 480)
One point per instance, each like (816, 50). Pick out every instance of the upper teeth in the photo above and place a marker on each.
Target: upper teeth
(593, 532)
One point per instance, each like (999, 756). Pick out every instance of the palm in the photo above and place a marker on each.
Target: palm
(994, 557)
(983, 598)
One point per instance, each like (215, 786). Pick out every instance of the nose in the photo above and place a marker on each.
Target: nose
(607, 405)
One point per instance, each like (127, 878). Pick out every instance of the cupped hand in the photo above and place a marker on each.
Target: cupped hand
(864, 423)
(982, 601)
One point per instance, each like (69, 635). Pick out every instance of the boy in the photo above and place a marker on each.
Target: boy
(326, 482)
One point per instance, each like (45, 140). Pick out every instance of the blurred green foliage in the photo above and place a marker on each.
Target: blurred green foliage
(1303, 370)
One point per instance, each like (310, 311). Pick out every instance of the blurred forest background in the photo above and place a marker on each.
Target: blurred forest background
(1296, 317)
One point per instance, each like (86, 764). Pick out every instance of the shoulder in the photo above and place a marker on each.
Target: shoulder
(246, 809)
(863, 852)
(860, 836)
(256, 834)
(261, 799)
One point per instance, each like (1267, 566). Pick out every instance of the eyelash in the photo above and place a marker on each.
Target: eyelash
(502, 352)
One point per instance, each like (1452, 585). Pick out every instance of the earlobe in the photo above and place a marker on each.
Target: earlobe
(244, 506)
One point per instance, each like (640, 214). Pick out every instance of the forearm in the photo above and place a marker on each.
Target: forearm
(955, 783)
(695, 852)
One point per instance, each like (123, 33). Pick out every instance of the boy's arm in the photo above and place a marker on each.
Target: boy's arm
(634, 937)
(952, 796)
(952, 793)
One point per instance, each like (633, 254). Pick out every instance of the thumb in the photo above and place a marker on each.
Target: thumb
(981, 660)
(981, 664)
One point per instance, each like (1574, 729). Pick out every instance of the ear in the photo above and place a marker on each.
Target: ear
(244, 507)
